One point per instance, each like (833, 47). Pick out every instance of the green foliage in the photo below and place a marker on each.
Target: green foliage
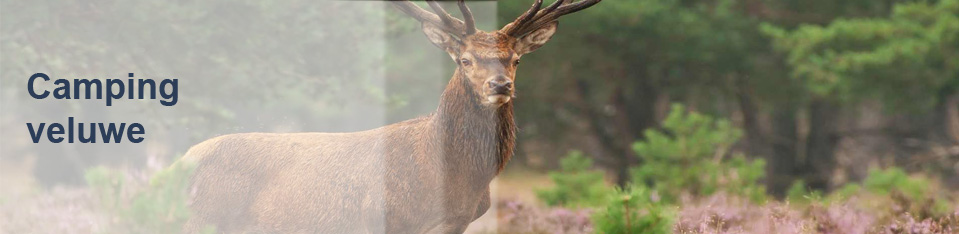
(883, 182)
(893, 189)
(636, 50)
(687, 156)
(915, 194)
(845, 192)
(799, 193)
(905, 60)
(160, 206)
(634, 210)
(577, 184)
(107, 184)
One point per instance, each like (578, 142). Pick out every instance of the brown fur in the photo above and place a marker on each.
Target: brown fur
(425, 175)
(429, 174)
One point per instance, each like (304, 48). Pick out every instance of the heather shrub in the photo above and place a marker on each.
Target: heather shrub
(909, 224)
(721, 213)
(577, 184)
(689, 156)
(159, 206)
(634, 210)
(519, 217)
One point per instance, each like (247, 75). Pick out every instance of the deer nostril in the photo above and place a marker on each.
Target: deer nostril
(500, 84)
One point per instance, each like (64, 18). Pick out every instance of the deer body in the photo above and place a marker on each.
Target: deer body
(425, 175)
(409, 177)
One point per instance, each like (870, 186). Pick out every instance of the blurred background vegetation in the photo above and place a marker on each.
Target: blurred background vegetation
(648, 113)
(822, 90)
(785, 100)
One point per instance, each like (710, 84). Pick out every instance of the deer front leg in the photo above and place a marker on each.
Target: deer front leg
(483, 205)
(452, 225)
(457, 222)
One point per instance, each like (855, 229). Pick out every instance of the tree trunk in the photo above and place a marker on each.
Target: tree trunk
(606, 135)
(821, 142)
(757, 143)
(951, 117)
(620, 122)
(782, 141)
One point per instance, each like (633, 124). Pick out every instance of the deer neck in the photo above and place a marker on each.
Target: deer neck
(474, 135)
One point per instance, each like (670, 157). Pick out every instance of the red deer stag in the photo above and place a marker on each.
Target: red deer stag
(425, 175)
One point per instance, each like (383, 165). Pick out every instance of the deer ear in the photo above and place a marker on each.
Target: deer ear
(535, 39)
(442, 39)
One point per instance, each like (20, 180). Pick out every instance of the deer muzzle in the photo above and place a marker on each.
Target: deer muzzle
(500, 89)
(500, 85)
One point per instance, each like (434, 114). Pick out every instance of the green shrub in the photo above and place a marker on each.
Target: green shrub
(633, 211)
(884, 182)
(799, 193)
(916, 194)
(688, 156)
(158, 207)
(890, 192)
(576, 184)
(107, 185)
(844, 193)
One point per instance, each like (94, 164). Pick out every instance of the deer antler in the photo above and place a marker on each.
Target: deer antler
(441, 19)
(468, 16)
(534, 18)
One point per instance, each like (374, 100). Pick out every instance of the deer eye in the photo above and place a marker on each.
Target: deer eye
(465, 62)
(516, 63)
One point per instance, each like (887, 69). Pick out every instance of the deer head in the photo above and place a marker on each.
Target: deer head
(488, 60)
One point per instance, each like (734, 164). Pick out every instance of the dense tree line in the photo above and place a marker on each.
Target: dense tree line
(808, 81)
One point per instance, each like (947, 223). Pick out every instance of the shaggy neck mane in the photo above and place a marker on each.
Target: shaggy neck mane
(474, 133)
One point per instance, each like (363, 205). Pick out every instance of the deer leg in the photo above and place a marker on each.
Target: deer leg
(483, 206)
(195, 225)
(458, 223)
(455, 225)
